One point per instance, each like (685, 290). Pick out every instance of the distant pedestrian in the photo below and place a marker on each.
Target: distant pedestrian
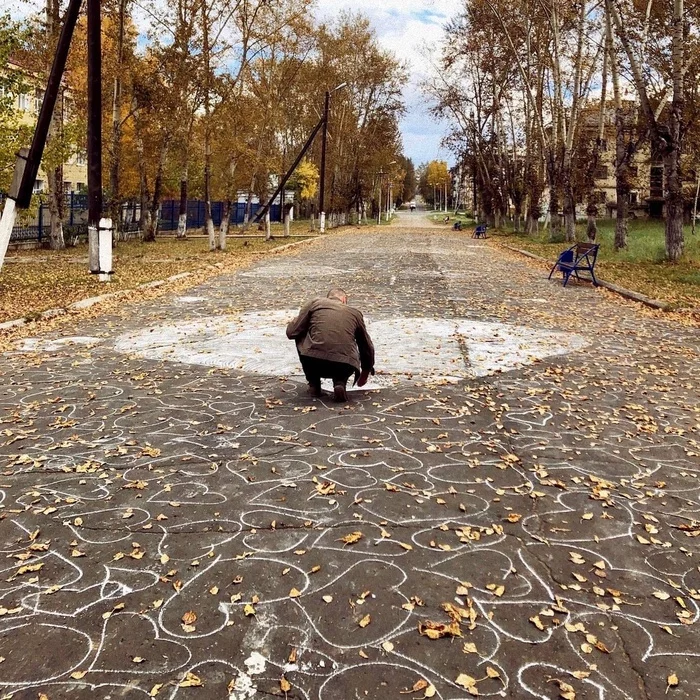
(333, 343)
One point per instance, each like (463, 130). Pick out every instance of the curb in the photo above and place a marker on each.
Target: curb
(627, 293)
(92, 301)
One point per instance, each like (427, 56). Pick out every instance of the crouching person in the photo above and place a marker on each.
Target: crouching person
(333, 343)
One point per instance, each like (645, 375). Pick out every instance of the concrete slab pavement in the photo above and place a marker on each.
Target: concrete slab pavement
(511, 510)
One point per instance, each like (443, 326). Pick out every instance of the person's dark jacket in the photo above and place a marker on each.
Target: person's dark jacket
(330, 330)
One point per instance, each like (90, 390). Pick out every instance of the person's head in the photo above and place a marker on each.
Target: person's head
(339, 295)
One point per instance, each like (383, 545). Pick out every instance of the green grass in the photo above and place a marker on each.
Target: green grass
(32, 281)
(641, 266)
(438, 217)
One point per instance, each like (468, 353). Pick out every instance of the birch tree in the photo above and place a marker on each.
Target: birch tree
(666, 123)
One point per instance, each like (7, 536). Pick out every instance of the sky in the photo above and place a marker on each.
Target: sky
(407, 28)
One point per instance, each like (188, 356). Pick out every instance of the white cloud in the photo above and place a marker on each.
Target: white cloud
(411, 30)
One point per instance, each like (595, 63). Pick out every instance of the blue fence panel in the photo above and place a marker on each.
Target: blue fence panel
(75, 217)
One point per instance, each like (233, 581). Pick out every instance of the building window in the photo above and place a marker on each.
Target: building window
(38, 186)
(38, 99)
(656, 182)
(633, 198)
(23, 102)
(600, 197)
(80, 158)
(601, 173)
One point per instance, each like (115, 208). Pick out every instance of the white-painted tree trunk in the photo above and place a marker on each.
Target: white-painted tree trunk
(182, 225)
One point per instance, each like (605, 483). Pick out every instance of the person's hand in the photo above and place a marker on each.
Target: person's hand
(363, 377)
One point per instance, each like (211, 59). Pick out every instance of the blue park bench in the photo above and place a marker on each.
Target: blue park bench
(580, 257)
(479, 231)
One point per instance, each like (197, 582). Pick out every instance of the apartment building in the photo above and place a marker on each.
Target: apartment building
(646, 173)
(27, 105)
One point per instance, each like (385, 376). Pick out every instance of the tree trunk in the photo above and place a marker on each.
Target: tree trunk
(152, 230)
(529, 224)
(208, 221)
(569, 210)
(622, 185)
(672, 159)
(144, 214)
(674, 205)
(115, 146)
(591, 223)
(248, 204)
(223, 227)
(622, 216)
(554, 220)
(55, 182)
(182, 211)
(268, 231)
(695, 202)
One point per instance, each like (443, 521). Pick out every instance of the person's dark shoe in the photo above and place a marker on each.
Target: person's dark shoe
(340, 394)
(315, 389)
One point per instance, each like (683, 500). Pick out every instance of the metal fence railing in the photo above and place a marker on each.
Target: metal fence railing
(36, 227)
(170, 208)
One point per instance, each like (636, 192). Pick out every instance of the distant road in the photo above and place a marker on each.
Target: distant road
(405, 218)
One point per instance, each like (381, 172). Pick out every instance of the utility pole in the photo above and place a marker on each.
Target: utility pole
(379, 208)
(324, 139)
(94, 130)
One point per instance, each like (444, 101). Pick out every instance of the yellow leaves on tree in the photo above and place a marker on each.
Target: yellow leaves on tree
(306, 179)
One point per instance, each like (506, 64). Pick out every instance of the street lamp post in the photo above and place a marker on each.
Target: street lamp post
(379, 207)
(324, 139)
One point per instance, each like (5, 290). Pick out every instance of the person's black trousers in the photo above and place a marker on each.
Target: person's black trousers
(316, 369)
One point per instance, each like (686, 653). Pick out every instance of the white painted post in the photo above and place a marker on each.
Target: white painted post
(322, 222)
(104, 246)
(6, 223)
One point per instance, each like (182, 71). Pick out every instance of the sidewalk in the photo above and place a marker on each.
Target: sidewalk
(509, 510)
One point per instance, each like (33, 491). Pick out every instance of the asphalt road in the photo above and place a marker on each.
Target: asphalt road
(511, 508)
